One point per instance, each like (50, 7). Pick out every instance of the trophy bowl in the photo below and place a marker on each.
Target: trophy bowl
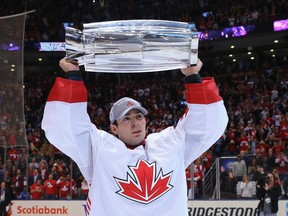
(133, 46)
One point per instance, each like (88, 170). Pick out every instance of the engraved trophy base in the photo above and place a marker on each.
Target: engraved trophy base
(132, 46)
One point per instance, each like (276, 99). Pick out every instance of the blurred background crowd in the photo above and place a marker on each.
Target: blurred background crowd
(207, 14)
(255, 94)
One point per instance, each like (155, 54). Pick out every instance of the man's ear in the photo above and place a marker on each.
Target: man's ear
(114, 129)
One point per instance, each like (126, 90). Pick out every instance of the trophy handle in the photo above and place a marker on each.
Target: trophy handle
(74, 44)
(194, 44)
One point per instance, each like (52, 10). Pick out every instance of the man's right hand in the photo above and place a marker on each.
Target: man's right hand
(68, 65)
(192, 69)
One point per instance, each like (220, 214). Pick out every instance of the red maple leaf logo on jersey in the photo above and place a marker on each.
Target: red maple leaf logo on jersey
(144, 185)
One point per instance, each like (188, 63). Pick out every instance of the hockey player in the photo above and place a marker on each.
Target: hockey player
(130, 173)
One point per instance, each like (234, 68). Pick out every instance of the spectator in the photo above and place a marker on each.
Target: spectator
(5, 198)
(60, 167)
(54, 172)
(36, 190)
(284, 130)
(239, 168)
(252, 169)
(84, 189)
(277, 177)
(199, 170)
(259, 158)
(24, 194)
(18, 181)
(32, 179)
(207, 159)
(243, 142)
(197, 184)
(33, 164)
(13, 154)
(64, 188)
(43, 170)
(219, 146)
(9, 165)
(270, 160)
(232, 148)
(262, 147)
(229, 183)
(50, 188)
(246, 187)
(268, 192)
(74, 189)
(188, 180)
(285, 187)
(277, 147)
(281, 161)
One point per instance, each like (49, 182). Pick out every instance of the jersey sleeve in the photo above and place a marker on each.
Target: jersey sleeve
(204, 121)
(67, 125)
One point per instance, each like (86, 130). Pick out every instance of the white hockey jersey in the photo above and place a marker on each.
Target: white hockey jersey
(148, 180)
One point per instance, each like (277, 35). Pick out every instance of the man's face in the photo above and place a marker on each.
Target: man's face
(131, 129)
(270, 178)
(35, 171)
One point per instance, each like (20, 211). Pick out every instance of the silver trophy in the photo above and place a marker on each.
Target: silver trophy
(132, 46)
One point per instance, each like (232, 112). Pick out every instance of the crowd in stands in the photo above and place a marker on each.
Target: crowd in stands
(46, 23)
(255, 95)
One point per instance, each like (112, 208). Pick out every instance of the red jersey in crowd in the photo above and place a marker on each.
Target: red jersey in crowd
(188, 177)
(284, 131)
(13, 154)
(12, 138)
(64, 188)
(278, 147)
(232, 146)
(18, 181)
(207, 159)
(243, 145)
(73, 186)
(84, 188)
(243, 142)
(50, 187)
(282, 162)
(199, 171)
(36, 190)
(263, 147)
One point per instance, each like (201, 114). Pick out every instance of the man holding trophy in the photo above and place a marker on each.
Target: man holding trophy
(130, 173)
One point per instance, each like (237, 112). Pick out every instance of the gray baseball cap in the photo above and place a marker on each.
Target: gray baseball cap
(121, 107)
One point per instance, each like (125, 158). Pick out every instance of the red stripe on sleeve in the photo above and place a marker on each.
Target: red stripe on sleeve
(202, 93)
(69, 91)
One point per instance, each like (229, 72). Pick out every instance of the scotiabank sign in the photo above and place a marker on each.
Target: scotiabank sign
(42, 210)
(195, 208)
(47, 207)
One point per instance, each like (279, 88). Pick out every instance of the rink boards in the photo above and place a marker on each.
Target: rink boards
(195, 208)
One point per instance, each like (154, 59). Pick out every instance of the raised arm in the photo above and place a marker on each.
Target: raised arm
(66, 122)
(205, 119)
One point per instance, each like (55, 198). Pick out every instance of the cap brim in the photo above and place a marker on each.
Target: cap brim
(140, 108)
